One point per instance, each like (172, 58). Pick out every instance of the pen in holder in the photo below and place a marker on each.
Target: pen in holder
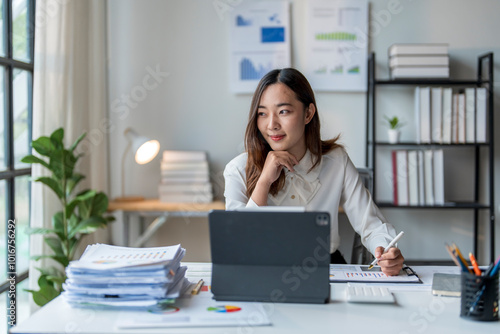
(479, 298)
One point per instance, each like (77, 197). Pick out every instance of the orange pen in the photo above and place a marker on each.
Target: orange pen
(477, 271)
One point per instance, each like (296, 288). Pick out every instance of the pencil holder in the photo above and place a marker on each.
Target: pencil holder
(479, 298)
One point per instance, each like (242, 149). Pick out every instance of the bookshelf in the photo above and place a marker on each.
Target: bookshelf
(482, 152)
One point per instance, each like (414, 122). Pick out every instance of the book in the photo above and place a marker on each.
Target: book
(394, 177)
(447, 115)
(429, 72)
(185, 174)
(184, 156)
(186, 198)
(481, 115)
(438, 176)
(454, 120)
(461, 118)
(184, 165)
(203, 187)
(446, 285)
(184, 179)
(437, 114)
(405, 60)
(412, 178)
(432, 49)
(425, 115)
(416, 99)
(470, 115)
(421, 179)
(402, 177)
(429, 178)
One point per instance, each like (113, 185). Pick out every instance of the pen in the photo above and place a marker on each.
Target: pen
(460, 263)
(197, 288)
(461, 258)
(387, 248)
(477, 271)
(495, 269)
(490, 268)
(453, 256)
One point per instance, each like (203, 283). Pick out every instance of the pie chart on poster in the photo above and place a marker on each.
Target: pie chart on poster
(224, 309)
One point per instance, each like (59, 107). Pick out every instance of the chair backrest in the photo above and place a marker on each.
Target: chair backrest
(361, 255)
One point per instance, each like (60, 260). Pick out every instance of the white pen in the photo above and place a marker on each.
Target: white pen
(387, 248)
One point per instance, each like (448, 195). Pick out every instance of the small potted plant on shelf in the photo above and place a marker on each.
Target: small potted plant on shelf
(394, 124)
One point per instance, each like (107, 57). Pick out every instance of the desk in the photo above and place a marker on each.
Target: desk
(162, 211)
(416, 311)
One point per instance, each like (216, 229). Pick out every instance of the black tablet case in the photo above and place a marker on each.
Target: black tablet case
(270, 256)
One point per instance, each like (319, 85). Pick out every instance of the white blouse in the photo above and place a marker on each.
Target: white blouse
(335, 181)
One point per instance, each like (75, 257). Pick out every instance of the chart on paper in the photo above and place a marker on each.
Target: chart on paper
(259, 42)
(358, 273)
(337, 44)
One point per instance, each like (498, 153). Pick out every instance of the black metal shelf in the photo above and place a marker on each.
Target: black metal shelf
(380, 143)
(454, 205)
(431, 82)
(486, 79)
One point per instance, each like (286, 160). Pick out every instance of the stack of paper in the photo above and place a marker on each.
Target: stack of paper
(185, 177)
(419, 61)
(124, 277)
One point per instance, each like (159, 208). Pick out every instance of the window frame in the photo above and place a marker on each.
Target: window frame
(11, 173)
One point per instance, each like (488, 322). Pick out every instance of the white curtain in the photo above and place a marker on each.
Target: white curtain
(70, 91)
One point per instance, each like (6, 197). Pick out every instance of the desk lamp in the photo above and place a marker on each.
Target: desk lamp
(144, 150)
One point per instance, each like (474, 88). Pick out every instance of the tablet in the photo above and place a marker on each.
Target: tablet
(270, 256)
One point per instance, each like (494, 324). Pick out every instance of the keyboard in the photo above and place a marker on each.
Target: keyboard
(360, 293)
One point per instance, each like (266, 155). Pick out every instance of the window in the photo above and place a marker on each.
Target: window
(16, 96)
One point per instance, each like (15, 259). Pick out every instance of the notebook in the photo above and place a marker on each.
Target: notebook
(446, 285)
(270, 256)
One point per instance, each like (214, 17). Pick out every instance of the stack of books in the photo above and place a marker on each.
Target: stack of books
(444, 116)
(126, 278)
(427, 61)
(185, 177)
(418, 177)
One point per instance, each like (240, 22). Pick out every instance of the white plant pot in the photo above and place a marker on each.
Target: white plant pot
(393, 136)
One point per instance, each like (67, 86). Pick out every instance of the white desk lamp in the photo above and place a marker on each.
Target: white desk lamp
(144, 150)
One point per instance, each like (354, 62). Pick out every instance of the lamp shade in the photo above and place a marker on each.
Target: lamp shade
(144, 149)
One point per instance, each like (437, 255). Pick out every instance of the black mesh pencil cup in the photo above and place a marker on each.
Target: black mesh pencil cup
(479, 299)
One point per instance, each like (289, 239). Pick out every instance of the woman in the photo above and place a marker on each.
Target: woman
(287, 164)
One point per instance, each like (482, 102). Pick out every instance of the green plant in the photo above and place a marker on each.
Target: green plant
(81, 214)
(394, 122)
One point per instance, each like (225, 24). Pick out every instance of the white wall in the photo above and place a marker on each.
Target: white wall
(191, 108)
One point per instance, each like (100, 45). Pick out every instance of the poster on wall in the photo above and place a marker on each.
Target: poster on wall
(259, 42)
(337, 45)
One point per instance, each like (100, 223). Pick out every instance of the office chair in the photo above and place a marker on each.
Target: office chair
(361, 255)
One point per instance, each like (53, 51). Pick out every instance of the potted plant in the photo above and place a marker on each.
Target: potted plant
(81, 213)
(394, 124)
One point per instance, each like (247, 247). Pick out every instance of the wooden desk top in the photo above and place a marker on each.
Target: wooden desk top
(153, 204)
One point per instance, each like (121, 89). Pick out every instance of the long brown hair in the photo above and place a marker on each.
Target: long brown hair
(257, 147)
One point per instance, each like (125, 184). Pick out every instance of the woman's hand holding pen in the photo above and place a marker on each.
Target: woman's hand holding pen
(275, 161)
(390, 262)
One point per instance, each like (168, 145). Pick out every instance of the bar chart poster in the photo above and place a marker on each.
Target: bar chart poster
(337, 45)
(259, 42)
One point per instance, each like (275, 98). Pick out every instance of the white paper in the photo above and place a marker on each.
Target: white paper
(337, 44)
(259, 42)
(358, 273)
(198, 311)
(106, 257)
